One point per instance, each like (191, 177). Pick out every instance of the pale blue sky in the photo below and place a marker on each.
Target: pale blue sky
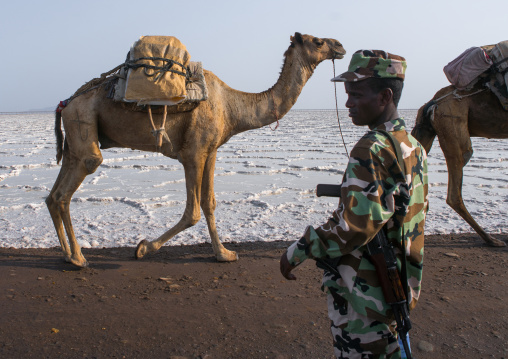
(50, 48)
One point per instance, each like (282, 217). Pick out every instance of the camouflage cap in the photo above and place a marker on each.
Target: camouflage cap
(373, 63)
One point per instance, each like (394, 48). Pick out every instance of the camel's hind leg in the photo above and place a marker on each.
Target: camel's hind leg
(456, 145)
(208, 205)
(54, 211)
(81, 157)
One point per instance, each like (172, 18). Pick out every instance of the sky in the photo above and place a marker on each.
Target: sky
(50, 48)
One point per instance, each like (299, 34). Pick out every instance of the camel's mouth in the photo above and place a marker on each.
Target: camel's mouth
(338, 56)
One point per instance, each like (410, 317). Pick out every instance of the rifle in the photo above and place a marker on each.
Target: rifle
(383, 258)
(381, 254)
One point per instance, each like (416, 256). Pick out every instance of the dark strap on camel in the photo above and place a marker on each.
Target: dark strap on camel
(496, 64)
(159, 71)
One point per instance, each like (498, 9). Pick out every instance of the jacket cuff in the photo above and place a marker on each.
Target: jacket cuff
(296, 252)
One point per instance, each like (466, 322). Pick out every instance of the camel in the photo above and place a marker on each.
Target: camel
(458, 116)
(194, 136)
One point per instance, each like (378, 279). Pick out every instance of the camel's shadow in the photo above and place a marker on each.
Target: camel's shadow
(114, 258)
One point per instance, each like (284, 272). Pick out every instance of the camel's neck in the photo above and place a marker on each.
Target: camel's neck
(264, 108)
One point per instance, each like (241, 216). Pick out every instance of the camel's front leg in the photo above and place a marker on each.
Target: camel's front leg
(454, 200)
(193, 165)
(208, 205)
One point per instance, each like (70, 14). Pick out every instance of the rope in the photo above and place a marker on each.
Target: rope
(161, 133)
(159, 71)
(458, 97)
(337, 110)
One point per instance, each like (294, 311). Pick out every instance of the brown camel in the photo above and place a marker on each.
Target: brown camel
(91, 119)
(456, 116)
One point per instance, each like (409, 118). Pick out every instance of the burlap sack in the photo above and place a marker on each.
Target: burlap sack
(160, 85)
(196, 87)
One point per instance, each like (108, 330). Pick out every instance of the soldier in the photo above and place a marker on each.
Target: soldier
(374, 194)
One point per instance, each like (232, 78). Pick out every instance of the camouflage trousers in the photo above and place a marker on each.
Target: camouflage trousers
(356, 336)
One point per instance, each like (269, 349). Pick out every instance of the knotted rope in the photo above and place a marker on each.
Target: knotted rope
(160, 133)
(458, 97)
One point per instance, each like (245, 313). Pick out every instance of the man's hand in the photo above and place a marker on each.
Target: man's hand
(286, 267)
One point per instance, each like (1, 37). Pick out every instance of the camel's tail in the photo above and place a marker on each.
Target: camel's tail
(58, 131)
(423, 130)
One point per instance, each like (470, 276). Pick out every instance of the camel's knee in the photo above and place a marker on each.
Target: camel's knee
(57, 203)
(209, 206)
(91, 164)
(456, 203)
(50, 202)
(54, 200)
(191, 219)
(467, 156)
(194, 219)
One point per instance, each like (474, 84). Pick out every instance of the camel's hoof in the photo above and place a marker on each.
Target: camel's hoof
(141, 249)
(496, 243)
(227, 256)
(81, 263)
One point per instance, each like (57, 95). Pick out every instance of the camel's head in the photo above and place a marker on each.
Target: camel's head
(315, 50)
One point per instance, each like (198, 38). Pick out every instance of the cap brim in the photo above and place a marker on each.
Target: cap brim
(349, 77)
(340, 78)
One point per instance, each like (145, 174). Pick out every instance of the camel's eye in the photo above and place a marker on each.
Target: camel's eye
(318, 42)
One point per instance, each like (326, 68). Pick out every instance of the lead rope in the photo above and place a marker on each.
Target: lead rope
(337, 109)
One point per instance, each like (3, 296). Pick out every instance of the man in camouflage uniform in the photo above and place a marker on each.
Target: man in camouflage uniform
(374, 193)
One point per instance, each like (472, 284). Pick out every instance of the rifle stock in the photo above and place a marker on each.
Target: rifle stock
(328, 190)
(378, 260)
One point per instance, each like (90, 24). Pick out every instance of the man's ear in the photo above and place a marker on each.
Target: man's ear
(386, 96)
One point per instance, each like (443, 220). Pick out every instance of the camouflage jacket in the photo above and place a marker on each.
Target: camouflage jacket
(374, 193)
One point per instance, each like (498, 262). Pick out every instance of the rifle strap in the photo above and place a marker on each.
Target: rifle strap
(400, 160)
(396, 147)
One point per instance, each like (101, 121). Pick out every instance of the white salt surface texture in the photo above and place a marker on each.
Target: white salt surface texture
(264, 183)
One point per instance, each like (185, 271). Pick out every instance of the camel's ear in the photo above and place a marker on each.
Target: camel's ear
(298, 37)
(318, 42)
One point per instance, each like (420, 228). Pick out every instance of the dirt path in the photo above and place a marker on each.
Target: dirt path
(180, 303)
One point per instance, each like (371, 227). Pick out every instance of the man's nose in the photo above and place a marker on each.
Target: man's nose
(349, 103)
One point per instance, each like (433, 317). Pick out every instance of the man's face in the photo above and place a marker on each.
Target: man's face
(365, 106)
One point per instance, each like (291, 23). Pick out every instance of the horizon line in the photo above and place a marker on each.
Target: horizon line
(293, 109)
